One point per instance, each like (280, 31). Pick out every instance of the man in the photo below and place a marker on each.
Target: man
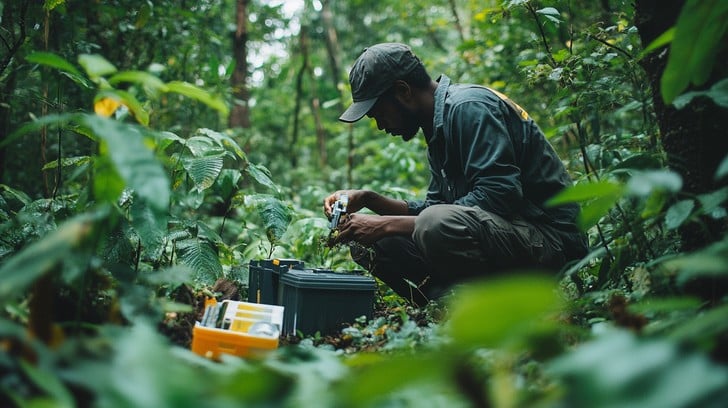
(492, 171)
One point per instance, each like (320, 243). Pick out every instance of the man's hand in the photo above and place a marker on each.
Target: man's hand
(367, 229)
(362, 228)
(357, 201)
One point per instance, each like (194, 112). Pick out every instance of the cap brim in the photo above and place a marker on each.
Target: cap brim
(357, 110)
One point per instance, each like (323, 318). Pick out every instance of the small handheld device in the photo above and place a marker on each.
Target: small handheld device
(338, 211)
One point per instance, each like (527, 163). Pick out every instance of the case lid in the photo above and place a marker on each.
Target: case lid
(277, 262)
(327, 279)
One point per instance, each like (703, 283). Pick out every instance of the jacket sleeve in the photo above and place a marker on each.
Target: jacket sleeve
(434, 191)
(480, 139)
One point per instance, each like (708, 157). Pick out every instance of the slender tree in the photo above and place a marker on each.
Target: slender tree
(240, 114)
(693, 137)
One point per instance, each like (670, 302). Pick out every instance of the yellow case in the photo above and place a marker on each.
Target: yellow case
(211, 342)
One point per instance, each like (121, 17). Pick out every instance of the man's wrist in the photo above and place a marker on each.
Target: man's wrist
(368, 198)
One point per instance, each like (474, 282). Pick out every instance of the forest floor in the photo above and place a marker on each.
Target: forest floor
(177, 327)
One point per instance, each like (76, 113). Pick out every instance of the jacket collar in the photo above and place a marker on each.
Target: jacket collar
(438, 117)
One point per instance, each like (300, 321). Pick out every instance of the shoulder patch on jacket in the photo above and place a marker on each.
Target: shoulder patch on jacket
(521, 112)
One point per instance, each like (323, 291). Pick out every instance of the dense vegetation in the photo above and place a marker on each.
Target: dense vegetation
(141, 172)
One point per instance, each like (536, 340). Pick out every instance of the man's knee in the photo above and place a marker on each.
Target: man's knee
(439, 227)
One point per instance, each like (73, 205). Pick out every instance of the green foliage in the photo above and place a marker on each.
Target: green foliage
(275, 214)
(602, 373)
(146, 200)
(700, 32)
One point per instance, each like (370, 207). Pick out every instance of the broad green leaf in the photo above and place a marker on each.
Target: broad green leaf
(96, 65)
(227, 182)
(653, 204)
(10, 329)
(55, 61)
(718, 93)
(55, 120)
(596, 200)
(166, 139)
(39, 258)
(19, 195)
(666, 305)
(494, 312)
(128, 100)
(107, 182)
(678, 213)
(137, 372)
(150, 225)
(145, 79)
(585, 192)
(596, 253)
(551, 14)
(644, 183)
(261, 175)
(223, 140)
(699, 33)
(191, 91)
(699, 264)
(664, 39)
(380, 379)
(702, 266)
(200, 255)
(722, 169)
(548, 11)
(711, 201)
(50, 384)
(705, 327)
(68, 162)
(133, 160)
(203, 170)
(618, 369)
(275, 214)
(52, 60)
(709, 261)
(201, 146)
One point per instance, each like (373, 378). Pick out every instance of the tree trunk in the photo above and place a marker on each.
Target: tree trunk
(240, 115)
(456, 16)
(332, 45)
(12, 40)
(299, 97)
(314, 101)
(694, 137)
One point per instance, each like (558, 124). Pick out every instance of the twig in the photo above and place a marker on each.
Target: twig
(610, 45)
(543, 35)
(590, 169)
(21, 38)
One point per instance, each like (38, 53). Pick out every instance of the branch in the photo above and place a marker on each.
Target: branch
(543, 35)
(21, 38)
(458, 26)
(610, 45)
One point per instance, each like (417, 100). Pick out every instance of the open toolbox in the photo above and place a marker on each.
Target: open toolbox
(241, 329)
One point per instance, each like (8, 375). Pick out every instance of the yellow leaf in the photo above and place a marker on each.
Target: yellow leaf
(106, 107)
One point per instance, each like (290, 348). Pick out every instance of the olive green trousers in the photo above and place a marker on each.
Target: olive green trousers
(451, 244)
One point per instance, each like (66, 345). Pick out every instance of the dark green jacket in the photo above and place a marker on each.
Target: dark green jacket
(485, 151)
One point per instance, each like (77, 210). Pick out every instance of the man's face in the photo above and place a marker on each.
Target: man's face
(393, 117)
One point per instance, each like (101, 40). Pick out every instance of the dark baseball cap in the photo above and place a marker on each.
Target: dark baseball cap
(374, 72)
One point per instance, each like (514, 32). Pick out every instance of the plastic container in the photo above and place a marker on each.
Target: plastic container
(241, 329)
(321, 300)
(263, 278)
